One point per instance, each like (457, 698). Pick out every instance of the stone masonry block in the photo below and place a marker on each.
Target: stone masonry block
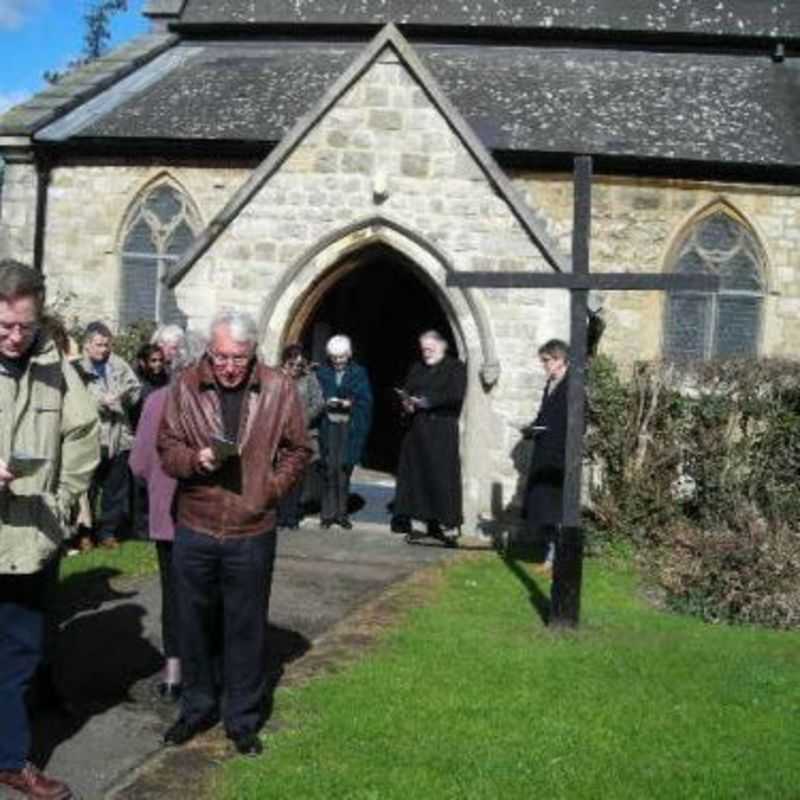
(414, 166)
(385, 120)
(358, 162)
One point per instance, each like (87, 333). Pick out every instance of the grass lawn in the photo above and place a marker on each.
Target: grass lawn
(472, 697)
(98, 566)
(131, 559)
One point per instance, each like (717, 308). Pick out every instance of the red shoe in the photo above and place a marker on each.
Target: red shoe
(33, 783)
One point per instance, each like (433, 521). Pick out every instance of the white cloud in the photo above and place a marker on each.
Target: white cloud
(8, 99)
(14, 12)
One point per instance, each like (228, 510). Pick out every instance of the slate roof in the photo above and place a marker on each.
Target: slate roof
(82, 84)
(668, 105)
(753, 18)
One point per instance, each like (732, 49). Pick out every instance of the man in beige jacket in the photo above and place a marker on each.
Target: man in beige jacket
(49, 448)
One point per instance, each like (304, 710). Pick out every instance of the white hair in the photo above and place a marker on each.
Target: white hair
(190, 351)
(168, 334)
(339, 345)
(241, 325)
(435, 336)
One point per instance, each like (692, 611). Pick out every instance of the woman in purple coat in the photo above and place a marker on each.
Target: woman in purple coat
(146, 465)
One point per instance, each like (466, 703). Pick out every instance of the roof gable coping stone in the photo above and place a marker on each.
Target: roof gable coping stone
(389, 37)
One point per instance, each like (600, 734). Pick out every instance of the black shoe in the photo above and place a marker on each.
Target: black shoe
(345, 523)
(169, 692)
(326, 523)
(400, 525)
(434, 530)
(248, 745)
(183, 731)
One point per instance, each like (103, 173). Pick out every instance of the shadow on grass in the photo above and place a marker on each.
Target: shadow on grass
(539, 601)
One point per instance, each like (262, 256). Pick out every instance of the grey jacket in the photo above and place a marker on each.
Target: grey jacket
(122, 385)
(49, 415)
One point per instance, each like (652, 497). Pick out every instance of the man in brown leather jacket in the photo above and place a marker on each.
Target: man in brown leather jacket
(234, 436)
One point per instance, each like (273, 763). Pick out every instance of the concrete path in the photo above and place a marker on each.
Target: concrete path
(111, 649)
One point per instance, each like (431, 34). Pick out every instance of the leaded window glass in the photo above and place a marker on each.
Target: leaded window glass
(726, 323)
(160, 229)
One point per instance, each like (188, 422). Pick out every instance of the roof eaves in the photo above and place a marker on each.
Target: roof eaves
(82, 84)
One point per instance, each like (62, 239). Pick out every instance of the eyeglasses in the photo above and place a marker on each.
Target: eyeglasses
(220, 360)
(23, 328)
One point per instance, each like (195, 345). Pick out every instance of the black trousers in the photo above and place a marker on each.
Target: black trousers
(336, 472)
(289, 507)
(113, 479)
(228, 579)
(169, 600)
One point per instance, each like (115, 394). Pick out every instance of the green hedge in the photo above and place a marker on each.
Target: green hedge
(700, 471)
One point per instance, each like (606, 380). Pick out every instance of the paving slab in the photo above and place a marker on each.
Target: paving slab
(110, 644)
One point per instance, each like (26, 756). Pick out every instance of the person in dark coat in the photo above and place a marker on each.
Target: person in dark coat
(429, 471)
(344, 427)
(544, 493)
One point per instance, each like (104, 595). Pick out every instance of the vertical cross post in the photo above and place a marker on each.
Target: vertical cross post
(565, 593)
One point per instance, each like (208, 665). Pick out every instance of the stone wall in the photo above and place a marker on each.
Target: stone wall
(384, 166)
(18, 211)
(638, 222)
(87, 209)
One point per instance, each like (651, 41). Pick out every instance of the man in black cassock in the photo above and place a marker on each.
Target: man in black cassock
(429, 472)
(543, 496)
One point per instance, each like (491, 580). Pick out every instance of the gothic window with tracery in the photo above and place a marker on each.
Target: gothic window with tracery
(161, 227)
(726, 323)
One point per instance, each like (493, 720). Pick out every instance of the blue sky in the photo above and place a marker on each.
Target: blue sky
(37, 35)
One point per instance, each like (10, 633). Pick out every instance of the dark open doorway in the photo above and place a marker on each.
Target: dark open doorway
(383, 305)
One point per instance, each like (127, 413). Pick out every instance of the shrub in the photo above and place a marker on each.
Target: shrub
(700, 472)
(750, 575)
(128, 340)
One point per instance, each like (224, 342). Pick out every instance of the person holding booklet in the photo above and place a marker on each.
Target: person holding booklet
(542, 506)
(429, 471)
(233, 435)
(344, 427)
(49, 448)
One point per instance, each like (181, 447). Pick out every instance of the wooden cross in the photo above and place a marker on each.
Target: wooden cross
(568, 566)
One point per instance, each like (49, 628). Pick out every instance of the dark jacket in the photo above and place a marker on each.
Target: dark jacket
(354, 387)
(543, 498)
(273, 447)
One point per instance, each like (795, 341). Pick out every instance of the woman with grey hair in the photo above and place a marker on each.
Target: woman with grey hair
(344, 427)
(169, 338)
(146, 466)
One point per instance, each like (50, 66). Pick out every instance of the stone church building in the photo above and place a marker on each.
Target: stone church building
(325, 165)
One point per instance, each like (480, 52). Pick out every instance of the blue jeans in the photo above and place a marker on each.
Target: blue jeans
(21, 636)
(223, 586)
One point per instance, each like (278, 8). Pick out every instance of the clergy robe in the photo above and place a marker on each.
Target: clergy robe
(429, 472)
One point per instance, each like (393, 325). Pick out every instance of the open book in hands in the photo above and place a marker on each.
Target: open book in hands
(22, 465)
(337, 404)
(223, 448)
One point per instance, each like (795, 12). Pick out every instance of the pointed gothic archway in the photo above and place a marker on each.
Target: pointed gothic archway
(382, 301)
(292, 300)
